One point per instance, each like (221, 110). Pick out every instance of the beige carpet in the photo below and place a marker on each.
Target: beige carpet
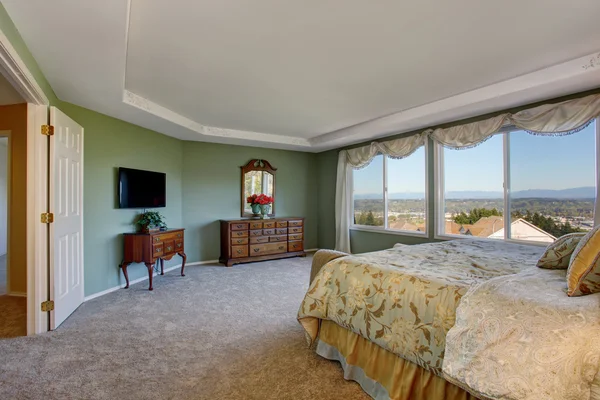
(13, 317)
(218, 333)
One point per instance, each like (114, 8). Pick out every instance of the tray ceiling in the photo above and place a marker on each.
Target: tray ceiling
(308, 75)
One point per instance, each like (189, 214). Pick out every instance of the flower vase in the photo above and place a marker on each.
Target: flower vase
(265, 209)
(255, 209)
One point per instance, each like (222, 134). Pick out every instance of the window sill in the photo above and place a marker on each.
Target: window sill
(373, 229)
(526, 242)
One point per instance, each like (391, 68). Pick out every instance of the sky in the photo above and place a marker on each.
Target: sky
(536, 162)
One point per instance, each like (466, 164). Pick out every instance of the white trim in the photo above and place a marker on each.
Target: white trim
(597, 205)
(37, 233)
(7, 134)
(487, 239)
(17, 294)
(144, 278)
(374, 229)
(506, 185)
(16, 72)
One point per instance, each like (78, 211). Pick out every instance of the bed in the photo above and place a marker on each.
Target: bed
(386, 316)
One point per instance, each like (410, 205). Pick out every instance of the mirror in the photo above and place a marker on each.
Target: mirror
(258, 177)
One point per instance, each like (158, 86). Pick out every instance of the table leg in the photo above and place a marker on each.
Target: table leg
(124, 266)
(182, 255)
(150, 271)
(162, 266)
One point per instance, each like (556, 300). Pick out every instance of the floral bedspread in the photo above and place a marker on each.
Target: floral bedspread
(521, 337)
(404, 299)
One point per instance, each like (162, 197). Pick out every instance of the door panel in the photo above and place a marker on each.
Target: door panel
(66, 202)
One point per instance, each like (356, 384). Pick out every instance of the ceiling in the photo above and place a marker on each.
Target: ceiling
(313, 75)
(8, 94)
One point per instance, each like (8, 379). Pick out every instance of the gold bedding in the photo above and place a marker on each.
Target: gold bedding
(404, 299)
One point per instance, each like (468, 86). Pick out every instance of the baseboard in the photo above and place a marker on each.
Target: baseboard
(18, 294)
(144, 278)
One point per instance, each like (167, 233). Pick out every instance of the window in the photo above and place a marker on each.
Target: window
(519, 186)
(390, 194)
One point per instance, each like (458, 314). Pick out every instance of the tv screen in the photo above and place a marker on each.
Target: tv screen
(142, 189)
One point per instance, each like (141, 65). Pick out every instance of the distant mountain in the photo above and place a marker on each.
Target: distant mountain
(588, 192)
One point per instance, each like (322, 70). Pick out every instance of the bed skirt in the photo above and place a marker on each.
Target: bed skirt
(381, 374)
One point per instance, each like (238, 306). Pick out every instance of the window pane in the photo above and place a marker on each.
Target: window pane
(553, 184)
(474, 190)
(406, 192)
(368, 194)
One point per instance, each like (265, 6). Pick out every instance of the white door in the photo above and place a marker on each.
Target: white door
(66, 202)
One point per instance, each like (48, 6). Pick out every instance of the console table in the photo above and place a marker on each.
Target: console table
(148, 248)
(246, 239)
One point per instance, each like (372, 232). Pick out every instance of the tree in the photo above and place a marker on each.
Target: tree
(475, 215)
(370, 220)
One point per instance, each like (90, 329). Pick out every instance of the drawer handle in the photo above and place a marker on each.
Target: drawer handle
(169, 248)
(240, 240)
(239, 226)
(256, 250)
(178, 244)
(281, 247)
(179, 235)
(159, 250)
(156, 239)
(239, 252)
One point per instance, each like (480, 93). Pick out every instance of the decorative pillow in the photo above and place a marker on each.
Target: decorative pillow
(558, 254)
(583, 275)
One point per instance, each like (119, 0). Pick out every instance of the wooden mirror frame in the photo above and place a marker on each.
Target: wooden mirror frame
(250, 166)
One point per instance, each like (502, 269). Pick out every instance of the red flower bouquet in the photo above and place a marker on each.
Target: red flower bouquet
(261, 199)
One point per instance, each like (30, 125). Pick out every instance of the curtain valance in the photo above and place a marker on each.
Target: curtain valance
(397, 148)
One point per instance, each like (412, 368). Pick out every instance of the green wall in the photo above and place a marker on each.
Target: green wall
(110, 143)
(211, 191)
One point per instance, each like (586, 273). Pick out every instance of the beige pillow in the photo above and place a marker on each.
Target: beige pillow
(583, 275)
(558, 254)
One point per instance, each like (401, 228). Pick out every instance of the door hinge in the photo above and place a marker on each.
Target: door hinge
(47, 218)
(48, 130)
(47, 305)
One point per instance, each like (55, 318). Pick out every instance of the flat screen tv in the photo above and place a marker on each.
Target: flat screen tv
(142, 189)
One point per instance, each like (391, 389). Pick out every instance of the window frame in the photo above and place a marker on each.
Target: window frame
(439, 182)
(384, 228)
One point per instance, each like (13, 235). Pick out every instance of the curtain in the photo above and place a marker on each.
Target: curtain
(562, 118)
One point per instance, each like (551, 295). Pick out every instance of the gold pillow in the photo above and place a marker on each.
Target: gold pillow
(583, 275)
(558, 254)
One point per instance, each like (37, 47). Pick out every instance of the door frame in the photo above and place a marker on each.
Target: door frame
(16, 72)
(7, 135)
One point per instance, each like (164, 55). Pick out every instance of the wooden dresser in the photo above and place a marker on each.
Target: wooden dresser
(148, 248)
(247, 240)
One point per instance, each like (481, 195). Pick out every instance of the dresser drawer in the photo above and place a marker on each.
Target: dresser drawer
(295, 246)
(295, 223)
(297, 229)
(269, 225)
(239, 251)
(256, 225)
(167, 236)
(258, 232)
(239, 226)
(295, 236)
(278, 238)
(157, 250)
(169, 247)
(268, 248)
(282, 224)
(239, 234)
(281, 231)
(268, 232)
(259, 239)
(178, 245)
(238, 241)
